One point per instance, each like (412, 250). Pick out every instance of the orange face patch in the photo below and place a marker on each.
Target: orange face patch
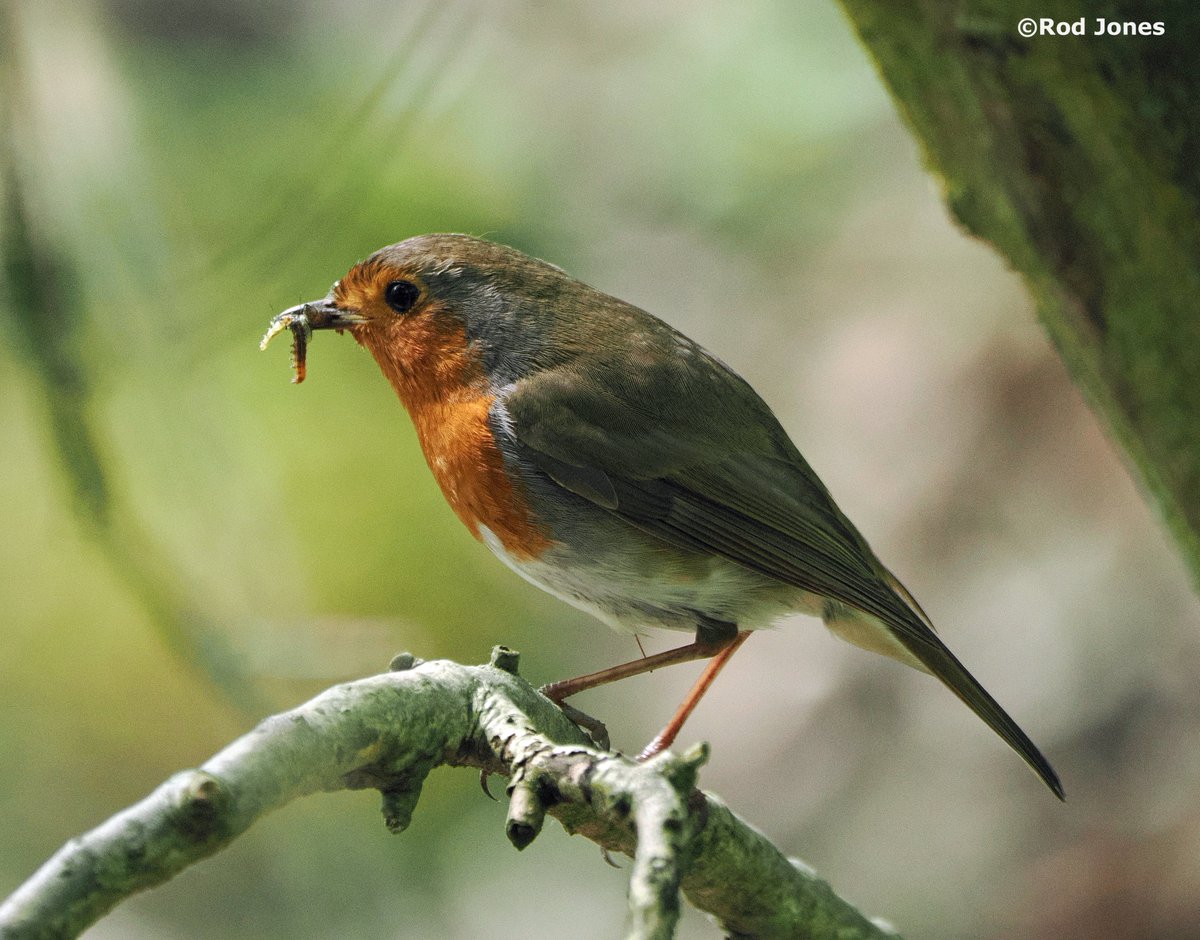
(424, 355)
(364, 284)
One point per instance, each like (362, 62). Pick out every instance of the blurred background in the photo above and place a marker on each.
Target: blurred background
(191, 543)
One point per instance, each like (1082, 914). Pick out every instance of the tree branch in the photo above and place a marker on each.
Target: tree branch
(387, 732)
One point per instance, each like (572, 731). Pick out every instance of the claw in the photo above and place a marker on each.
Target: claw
(594, 728)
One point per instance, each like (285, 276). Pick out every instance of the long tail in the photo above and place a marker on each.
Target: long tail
(933, 653)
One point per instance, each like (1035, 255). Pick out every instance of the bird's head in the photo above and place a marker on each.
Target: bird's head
(443, 311)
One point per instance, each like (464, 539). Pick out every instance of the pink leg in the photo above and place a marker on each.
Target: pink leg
(557, 691)
(665, 738)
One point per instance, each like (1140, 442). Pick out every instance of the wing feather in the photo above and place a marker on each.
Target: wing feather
(707, 467)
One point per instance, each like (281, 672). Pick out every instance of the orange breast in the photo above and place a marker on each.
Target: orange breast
(468, 466)
(426, 358)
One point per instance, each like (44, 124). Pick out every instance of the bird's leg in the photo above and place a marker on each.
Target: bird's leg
(702, 648)
(716, 639)
(665, 738)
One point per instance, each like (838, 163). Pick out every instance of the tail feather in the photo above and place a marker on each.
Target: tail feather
(954, 675)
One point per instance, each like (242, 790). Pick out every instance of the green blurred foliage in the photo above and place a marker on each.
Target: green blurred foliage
(195, 167)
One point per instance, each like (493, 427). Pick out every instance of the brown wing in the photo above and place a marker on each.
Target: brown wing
(701, 462)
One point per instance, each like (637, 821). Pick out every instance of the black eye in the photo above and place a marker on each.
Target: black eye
(401, 295)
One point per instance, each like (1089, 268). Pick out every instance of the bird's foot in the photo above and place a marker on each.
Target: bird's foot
(655, 747)
(593, 727)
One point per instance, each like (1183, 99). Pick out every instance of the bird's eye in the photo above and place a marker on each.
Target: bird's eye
(401, 295)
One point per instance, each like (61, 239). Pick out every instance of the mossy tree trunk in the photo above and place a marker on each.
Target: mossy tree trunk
(1078, 157)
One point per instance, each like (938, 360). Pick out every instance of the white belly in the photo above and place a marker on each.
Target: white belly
(634, 592)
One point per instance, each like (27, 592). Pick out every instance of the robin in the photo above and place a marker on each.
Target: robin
(620, 466)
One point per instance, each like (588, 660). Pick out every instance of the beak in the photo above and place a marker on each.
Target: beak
(322, 315)
(301, 320)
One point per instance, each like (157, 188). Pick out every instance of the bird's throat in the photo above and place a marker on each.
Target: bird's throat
(444, 389)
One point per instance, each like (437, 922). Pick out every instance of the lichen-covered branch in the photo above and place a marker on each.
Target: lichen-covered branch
(387, 732)
(1076, 156)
